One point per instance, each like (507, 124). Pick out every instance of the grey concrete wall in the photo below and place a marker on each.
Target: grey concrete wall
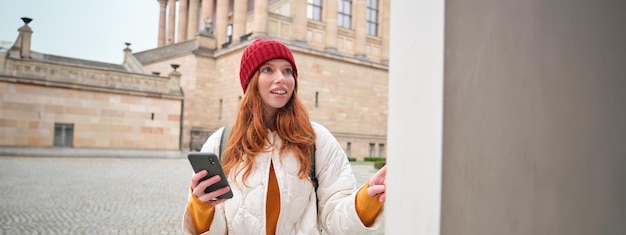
(534, 134)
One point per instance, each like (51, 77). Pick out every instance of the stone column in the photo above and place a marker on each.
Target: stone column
(162, 15)
(182, 21)
(331, 25)
(192, 28)
(239, 19)
(261, 14)
(171, 21)
(221, 22)
(299, 24)
(359, 20)
(416, 127)
(207, 11)
(383, 25)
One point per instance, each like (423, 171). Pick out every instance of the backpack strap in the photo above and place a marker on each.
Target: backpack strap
(312, 174)
(224, 138)
(312, 171)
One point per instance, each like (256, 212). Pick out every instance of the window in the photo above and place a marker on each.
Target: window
(314, 9)
(381, 150)
(344, 13)
(229, 33)
(221, 106)
(372, 147)
(317, 94)
(348, 148)
(63, 134)
(229, 36)
(372, 17)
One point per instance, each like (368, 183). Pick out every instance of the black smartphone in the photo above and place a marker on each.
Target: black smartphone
(211, 163)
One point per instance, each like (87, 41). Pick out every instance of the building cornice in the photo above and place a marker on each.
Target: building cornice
(44, 73)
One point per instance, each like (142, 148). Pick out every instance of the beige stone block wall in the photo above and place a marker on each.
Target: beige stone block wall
(373, 48)
(347, 93)
(316, 39)
(187, 70)
(205, 81)
(346, 41)
(316, 35)
(101, 120)
(351, 100)
(222, 83)
(278, 28)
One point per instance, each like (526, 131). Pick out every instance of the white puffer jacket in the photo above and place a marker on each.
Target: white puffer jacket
(245, 212)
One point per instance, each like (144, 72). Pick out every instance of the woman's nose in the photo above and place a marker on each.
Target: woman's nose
(279, 78)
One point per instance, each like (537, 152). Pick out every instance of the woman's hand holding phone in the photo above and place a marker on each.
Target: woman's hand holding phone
(209, 183)
(198, 188)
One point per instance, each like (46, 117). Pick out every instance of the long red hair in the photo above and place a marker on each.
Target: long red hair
(249, 132)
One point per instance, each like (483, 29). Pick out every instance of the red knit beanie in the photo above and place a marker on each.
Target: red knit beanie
(259, 52)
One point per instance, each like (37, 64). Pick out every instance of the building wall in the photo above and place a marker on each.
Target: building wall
(350, 99)
(534, 123)
(109, 105)
(211, 89)
(101, 120)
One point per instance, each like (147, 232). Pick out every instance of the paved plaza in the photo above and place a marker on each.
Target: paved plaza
(54, 195)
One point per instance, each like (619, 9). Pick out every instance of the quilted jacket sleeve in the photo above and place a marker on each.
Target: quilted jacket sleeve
(337, 187)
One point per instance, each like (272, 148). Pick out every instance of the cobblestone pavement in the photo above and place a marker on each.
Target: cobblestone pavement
(42, 195)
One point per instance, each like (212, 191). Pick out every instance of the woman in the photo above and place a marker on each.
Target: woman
(267, 161)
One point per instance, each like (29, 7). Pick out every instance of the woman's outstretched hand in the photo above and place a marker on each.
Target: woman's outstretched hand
(377, 186)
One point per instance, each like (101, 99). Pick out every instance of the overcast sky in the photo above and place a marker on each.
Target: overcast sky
(84, 29)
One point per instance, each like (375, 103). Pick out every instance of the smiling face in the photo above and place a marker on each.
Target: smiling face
(276, 84)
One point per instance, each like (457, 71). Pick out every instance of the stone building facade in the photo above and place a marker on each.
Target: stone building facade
(53, 101)
(340, 47)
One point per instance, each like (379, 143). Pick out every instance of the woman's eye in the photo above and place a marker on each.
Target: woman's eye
(289, 71)
(266, 69)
